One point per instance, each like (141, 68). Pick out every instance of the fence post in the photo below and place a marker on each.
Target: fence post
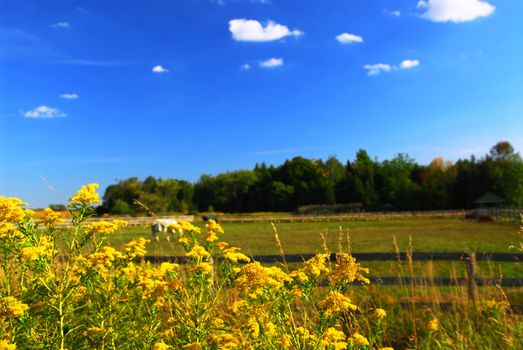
(470, 261)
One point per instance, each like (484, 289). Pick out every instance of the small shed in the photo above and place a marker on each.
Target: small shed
(489, 200)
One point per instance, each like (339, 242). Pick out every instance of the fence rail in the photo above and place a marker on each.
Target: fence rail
(469, 258)
(136, 221)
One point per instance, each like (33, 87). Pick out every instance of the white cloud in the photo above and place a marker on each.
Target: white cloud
(394, 13)
(252, 30)
(272, 62)
(245, 66)
(407, 64)
(44, 112)
(375, 69)
(69, 96)
(62, 25)
(455, 10)
(160, 69)
(346, 38)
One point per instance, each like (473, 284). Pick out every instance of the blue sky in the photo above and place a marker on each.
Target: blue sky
(95, 91)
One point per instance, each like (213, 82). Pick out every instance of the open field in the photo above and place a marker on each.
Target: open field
(428, 235)
(431, 235)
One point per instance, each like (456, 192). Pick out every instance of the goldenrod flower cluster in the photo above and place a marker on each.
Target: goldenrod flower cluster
(10, 213)
(335, 302)
(233, 255)
(50, 218)
(10, 306)
(6, 345)
(433, 325)
(347, 270)
(87, 195)
(213, 229)
(136, 247)
(104, 227)
(43, 249)
(380, 313)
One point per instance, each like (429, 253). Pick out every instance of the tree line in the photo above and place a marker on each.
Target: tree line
(396, 184)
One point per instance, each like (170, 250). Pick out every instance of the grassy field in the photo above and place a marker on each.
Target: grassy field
(428, 235)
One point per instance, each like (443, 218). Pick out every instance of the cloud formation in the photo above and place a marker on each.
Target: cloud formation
(375, 69)
(61, 25)
(407, 64)
(455, 10)
(69, 96)
(346, 38)
(44, 112)
(252, 30)
(160, 69)
(245, 66)
(272, 62)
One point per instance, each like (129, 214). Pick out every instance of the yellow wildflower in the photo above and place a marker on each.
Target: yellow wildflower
(380, 313)
(203, 268)
(44, 249)
(254, 278)
(226, 341)
(347, 270)
(10, 306)
(183, 240)
(51, 218)
(7, 345)
(104, 227)
(10, 210)
(222, 245)
(359, 340)
(433, 325)
(285, 341)
(334, 338)
(234, 256)
(211, 236)
(197, 253)
(254, 327)
(193, 346)
(160, 346)
(136, 247)
(299, 276)
(336, 302)
(87, 195)
(214, 226)
(387, 348)
(270, 329)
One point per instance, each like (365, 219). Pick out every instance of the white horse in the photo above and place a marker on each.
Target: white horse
(162, 225)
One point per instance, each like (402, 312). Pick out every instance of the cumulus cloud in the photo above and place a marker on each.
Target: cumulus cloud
(407, 64)
(455, 10)
(62, 25)
(346, 38)
(272, 62)
(252, 30)
(375, 69)
(44, 112)
(69, 96)
(160, 69)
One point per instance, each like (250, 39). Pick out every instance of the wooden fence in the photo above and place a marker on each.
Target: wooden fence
(136, 221)
(370, 216)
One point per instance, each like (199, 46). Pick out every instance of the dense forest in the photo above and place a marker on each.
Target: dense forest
(396, 184)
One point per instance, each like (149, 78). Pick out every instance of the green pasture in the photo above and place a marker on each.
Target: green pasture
(428, 235)
(425, 235)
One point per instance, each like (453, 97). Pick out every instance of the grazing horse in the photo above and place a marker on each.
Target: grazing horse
(162, 225)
